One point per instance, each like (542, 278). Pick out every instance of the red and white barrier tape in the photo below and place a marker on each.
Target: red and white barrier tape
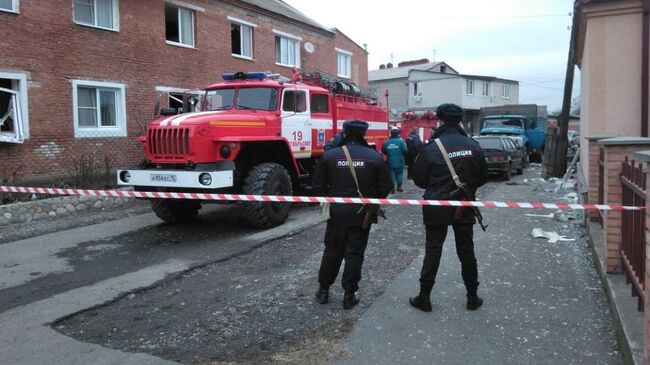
(308, 199)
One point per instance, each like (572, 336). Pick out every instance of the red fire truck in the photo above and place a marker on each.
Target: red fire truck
(424, 122)
(254, 133)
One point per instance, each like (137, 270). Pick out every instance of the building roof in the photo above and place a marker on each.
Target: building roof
(487, 78)
(281, 8)
(400, 72)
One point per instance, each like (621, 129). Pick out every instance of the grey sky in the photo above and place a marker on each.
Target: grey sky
(524, 40)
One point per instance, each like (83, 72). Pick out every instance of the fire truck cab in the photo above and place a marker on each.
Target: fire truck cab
(253, 134)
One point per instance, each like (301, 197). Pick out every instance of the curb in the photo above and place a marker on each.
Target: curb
(622, 331)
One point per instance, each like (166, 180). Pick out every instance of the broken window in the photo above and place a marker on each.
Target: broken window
(179, 25)
(241, 37)
(11, 112)
(96, 13)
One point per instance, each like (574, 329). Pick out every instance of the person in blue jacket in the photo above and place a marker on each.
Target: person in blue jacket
(395, 150)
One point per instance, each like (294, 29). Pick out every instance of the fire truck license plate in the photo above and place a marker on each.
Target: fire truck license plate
(163, 178)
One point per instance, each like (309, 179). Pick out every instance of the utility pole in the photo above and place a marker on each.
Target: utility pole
(557, 144)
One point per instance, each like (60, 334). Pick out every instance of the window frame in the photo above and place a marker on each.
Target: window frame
(119, 130)
(505, 91)
(116, 17)
(486, 89)
(417, 89)
(251, 27)
(469, 90)
(288, 37)
(348, 57)
(15, 7)
(192, 11)
(23, 95)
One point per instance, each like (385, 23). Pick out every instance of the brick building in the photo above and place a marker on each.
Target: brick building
(86, 74)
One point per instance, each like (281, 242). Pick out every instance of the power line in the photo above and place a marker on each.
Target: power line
(506, 16)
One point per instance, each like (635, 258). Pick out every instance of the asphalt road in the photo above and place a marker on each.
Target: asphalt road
(136, 291)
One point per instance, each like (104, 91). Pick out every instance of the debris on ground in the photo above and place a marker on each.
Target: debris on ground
(552, 236)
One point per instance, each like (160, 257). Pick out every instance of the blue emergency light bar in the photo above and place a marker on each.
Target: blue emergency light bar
(258, 75)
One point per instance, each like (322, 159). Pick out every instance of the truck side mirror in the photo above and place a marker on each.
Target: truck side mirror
(168, 111)
(533, 124)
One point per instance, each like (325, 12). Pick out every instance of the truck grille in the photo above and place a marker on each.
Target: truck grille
(169, 143)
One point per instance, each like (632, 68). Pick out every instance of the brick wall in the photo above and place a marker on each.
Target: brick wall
(592, 180)
(612, 222)
(52, 50)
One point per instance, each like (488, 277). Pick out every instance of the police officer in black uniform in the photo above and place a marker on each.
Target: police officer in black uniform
(345, 236)
(430, 172)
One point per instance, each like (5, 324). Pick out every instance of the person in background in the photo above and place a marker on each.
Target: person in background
(335, 141)
(413, 145)
(395, 150)
(430, 172)
(348, 227)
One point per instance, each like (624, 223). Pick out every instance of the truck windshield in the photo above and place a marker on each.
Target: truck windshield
(257, 98)
(220, 99)
(503, 122)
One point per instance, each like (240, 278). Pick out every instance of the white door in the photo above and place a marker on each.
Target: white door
(296, 122)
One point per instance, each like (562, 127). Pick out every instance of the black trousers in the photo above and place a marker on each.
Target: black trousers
(343, 242)
(435, 238)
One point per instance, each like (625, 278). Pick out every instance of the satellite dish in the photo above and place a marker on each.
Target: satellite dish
(309, 47)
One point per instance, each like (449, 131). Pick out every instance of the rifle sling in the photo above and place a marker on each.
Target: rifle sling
(352, 170)
(445, 155)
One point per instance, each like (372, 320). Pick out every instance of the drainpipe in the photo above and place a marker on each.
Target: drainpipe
(645, 62)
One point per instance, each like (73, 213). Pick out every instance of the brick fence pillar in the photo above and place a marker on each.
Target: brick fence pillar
(616, 150)
(593, 149)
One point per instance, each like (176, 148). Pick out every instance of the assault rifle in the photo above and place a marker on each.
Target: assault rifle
(463, 191)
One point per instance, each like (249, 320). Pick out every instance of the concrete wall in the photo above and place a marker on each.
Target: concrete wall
(477, 100)
(398, 95)
(437, 88)
(610, 70)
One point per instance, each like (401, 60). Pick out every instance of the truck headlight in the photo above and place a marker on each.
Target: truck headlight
(125, 176)
(224, 151)
(205, 179)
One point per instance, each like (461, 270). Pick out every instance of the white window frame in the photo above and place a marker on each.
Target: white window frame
(486, 89)
(116, 17)
(15, 7)
(193, 11)
(119, 130)
(24, 107)
(289, 37)
(251, 27)
(417, 89)
(505, 91)
(469, 87)
(347, 56)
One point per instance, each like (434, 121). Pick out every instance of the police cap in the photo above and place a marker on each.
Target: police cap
(449, 113)
(355, 128)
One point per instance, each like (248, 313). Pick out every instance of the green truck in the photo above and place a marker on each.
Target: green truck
(526, 121)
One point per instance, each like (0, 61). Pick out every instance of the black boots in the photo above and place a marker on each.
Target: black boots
(399, 188)
(350, 300)
(473, 302)
(421, 302)
(322, 295)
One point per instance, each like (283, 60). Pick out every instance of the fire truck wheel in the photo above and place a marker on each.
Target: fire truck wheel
(175, 211)
(267, 179)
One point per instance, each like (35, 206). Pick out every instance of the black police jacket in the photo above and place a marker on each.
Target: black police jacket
(332, 177)
(430, 172)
